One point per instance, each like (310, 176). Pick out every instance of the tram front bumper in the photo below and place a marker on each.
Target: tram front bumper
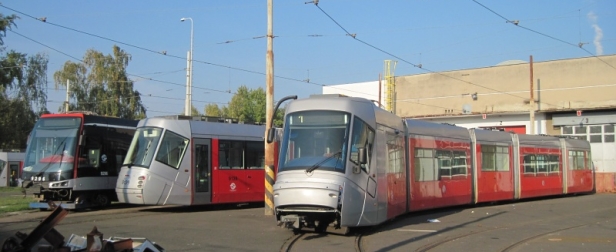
(130, 196)
(322, 197)
(291, 221)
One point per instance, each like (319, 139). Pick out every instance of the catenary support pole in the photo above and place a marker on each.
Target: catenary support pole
(269, 112)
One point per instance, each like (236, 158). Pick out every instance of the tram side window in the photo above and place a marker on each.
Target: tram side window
(444, 163)
(425, 165)
(231, 154)
(580, 160)
(255, 155)
(576, 160)
(241, 154)
(172, 149)
(451, 163)
(459, 166)
(541, 163)
(236, 155)
(363, 137)
(90, 157)
(395, 151)
(530, 163)
(494, 158)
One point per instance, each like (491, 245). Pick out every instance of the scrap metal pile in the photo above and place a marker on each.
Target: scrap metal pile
(93, 241)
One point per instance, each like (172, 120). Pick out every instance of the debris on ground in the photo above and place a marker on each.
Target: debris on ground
(93, 241)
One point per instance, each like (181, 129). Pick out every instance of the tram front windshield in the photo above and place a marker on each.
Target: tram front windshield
(143, 146)
(315, 140)
(145, 141)
(52, 149)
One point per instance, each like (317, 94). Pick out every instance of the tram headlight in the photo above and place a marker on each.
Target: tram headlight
(59, 184)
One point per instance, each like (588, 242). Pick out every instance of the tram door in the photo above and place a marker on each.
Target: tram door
(202, 172)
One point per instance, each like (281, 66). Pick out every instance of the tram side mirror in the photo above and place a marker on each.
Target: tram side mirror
(362, 155)
(271, 134)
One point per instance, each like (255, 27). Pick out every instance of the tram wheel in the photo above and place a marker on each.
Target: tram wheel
(321, 228)
(102, 200)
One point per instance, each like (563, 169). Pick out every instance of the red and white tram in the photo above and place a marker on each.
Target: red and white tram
(378, 166)
(180, 161)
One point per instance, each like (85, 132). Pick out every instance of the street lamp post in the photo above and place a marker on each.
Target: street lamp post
(189, 59)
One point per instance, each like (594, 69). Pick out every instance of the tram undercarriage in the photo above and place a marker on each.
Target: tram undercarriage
(67, 197)
(296, 218)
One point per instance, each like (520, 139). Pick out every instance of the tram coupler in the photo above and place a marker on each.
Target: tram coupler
(291, 221)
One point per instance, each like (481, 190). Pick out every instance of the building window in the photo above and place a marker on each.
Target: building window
(608, 136)
(593, 134)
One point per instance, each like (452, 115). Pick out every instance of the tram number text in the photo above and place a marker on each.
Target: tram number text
(232, 178)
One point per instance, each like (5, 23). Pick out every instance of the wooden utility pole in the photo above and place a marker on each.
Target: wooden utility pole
(532, 99)
(269, 111)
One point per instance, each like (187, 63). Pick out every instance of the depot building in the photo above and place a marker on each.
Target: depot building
(575, 97)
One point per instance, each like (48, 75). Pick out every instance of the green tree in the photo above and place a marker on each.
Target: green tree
(100, 84)
(213, 110)
(246, 105)
(23, 81)
(194, 111)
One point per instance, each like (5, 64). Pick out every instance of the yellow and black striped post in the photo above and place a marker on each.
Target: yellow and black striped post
(269, 111)
(269, 190)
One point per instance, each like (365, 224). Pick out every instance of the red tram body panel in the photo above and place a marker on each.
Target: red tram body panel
(495, 185)
(580, 173)
(439, 189)
(493, 165)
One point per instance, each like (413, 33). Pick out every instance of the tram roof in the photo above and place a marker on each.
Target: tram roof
(197, 128)
(484, 135)
(539, 140)
(421, 127)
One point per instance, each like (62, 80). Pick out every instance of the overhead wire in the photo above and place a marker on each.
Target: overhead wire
(516, 23)
(156, 52)
(354, 36)
(141, 77)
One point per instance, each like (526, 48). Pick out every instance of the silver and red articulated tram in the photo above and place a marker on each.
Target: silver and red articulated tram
(73, 159)
(179, 160)
(345, 162)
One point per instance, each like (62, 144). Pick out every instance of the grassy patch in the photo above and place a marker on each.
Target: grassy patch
(12, 200)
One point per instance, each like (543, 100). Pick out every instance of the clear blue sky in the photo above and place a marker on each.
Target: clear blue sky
(229, 43)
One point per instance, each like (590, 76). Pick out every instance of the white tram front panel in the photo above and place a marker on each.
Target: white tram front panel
(155, 171)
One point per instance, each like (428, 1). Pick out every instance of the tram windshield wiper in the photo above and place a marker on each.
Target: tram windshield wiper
(337, 154)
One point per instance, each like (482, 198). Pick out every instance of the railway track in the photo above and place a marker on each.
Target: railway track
(310, 241)
(449, 239)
